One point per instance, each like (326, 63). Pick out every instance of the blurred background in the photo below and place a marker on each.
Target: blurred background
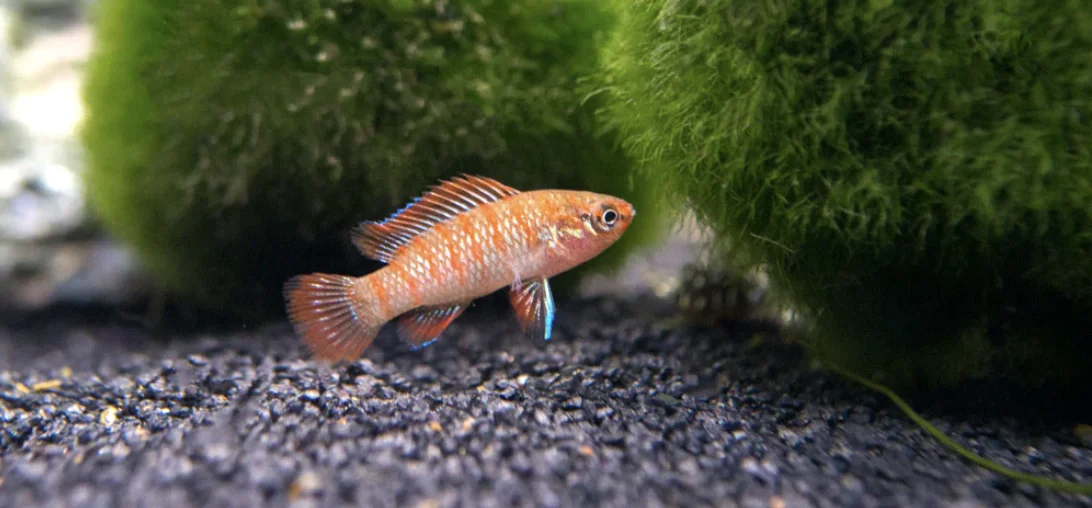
(51, 250)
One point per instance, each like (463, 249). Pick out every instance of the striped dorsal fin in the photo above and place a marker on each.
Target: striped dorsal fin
(381, 240)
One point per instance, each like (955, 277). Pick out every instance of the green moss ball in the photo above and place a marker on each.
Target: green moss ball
(234, 143)
(916, 174)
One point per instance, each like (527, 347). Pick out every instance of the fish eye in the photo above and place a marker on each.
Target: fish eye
(610, 217)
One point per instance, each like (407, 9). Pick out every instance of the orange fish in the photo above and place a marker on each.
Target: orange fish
(463, 239)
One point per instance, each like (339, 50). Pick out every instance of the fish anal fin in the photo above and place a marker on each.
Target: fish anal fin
(423, 325)
(381, 240)
(533, 303)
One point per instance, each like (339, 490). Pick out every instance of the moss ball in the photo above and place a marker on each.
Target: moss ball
(917, 175)
(234, 144)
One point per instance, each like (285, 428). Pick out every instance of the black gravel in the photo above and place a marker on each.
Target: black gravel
(622, 408)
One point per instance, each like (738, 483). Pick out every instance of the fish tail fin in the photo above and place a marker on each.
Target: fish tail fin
(330, 313)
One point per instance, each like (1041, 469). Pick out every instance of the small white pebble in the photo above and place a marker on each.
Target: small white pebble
(750, 465)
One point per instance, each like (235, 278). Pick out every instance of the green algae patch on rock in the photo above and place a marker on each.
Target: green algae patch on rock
(233, 144)
(915, 175)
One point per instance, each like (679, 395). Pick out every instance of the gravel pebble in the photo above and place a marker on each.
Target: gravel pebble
(622, 408)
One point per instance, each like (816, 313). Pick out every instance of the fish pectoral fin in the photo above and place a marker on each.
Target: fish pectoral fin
(534, 306)
(517, 281)
(423, 325)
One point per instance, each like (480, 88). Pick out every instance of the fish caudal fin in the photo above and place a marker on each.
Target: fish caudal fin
(327, 311)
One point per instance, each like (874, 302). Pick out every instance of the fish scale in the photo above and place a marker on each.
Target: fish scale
(463, 239)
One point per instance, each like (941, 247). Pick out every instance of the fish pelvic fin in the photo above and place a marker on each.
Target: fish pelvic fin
(328, 312)
(534, 305)
(443, 202)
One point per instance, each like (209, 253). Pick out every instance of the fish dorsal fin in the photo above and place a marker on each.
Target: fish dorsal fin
(380, 240)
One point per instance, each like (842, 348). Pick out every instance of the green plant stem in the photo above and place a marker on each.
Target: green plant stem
(1059, 485)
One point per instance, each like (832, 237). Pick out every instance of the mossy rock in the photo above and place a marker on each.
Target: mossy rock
(234, 144)
(916, 175)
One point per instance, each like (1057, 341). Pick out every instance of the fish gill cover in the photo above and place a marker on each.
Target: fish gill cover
(917, 175)
(234, 144)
